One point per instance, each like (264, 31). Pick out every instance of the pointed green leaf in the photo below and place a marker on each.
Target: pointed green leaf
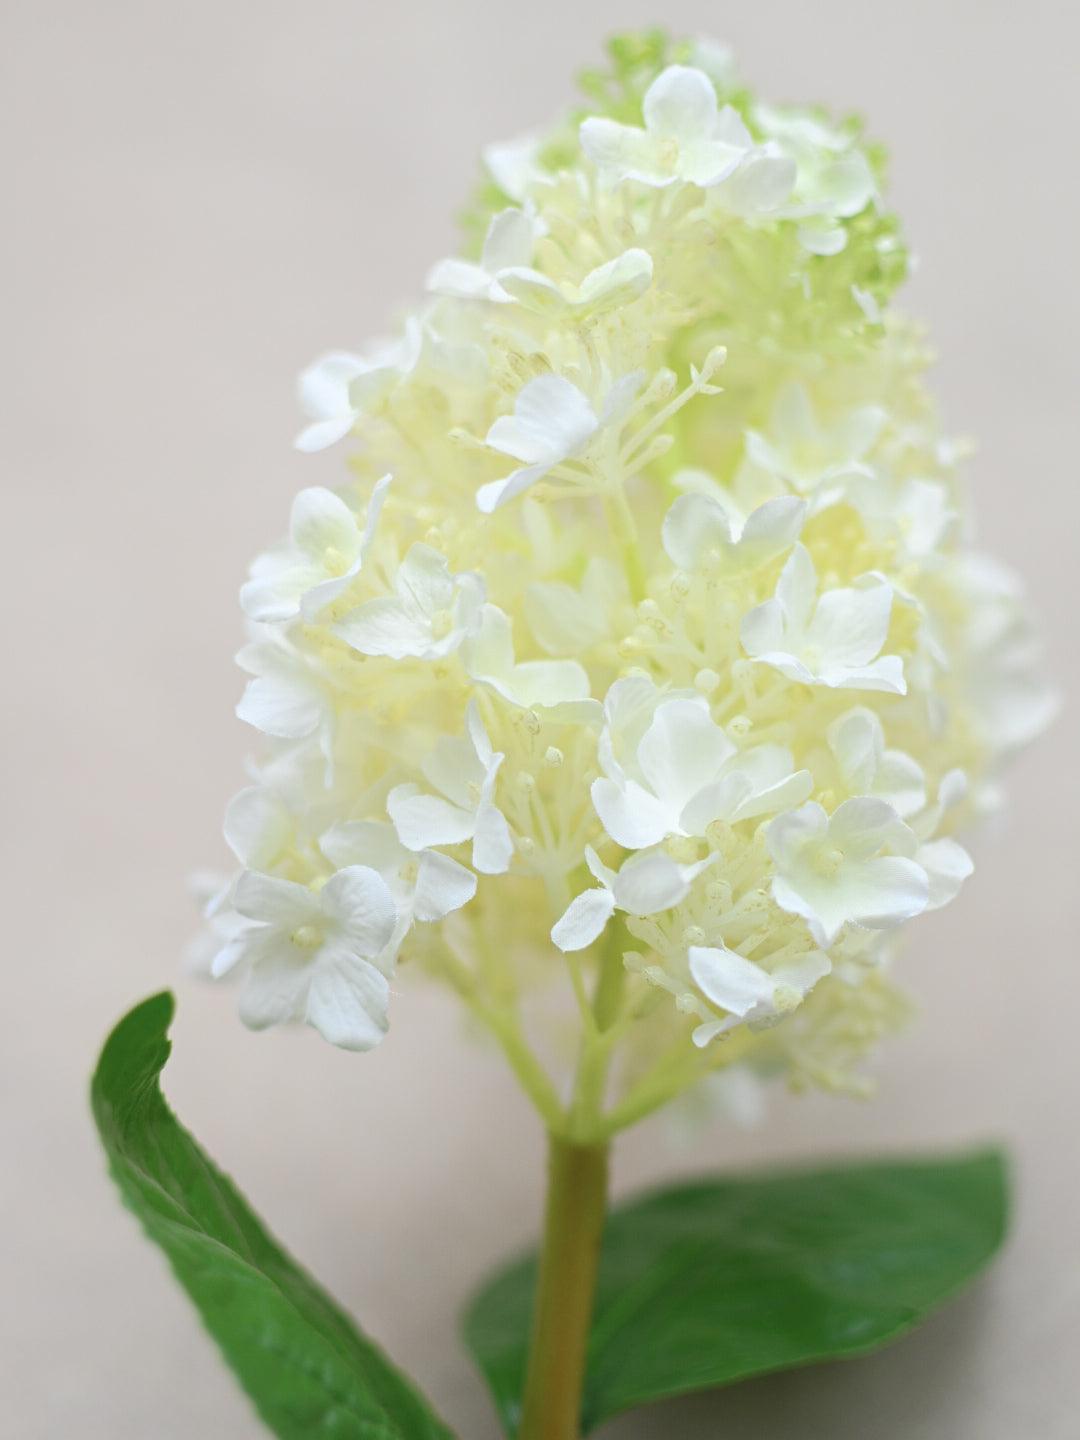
(307, 1368)
(715, 1281)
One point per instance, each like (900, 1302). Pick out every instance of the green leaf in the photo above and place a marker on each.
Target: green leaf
(714, 1281)
(307, 1368)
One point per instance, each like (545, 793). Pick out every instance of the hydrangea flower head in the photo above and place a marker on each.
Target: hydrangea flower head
(643, 629)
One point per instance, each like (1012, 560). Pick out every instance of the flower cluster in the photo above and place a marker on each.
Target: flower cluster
(645, 639)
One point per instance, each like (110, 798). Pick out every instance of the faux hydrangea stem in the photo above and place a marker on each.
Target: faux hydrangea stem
(573, 1226)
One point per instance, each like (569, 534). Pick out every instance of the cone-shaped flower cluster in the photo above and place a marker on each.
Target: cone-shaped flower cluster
(647, 619)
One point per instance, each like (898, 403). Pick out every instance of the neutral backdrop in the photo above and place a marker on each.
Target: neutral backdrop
(200, 198)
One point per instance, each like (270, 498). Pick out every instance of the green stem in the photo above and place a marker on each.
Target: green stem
(566, 1287)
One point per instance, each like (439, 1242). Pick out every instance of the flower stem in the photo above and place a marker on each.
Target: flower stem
(566, 1286)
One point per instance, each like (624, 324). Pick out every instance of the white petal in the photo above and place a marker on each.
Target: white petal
(274, 989)
(947, 865)
(347, 1002)
(681, 751)
(649, 883)
(281, 903)
(425, 820)
(730, 980)
(320, 520)
(257, 827)
(442, 886)
(552, 420)
(384, 626)
(797, 588)
(850, 625)
(493, 847)
(359, 900)
(630, 815)
(625, 152)
(681, 104)
(278, 705)
(583, 920)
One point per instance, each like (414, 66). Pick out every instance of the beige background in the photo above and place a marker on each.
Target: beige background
(202, 196)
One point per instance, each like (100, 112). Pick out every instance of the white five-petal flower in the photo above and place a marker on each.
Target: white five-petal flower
(426, 886)
(700, 533)
(646, 884)
(803, 453)
(686, 137)
(836, 869)
(835, 639)
(670, 770)
(326, 550)
(616, 282)
(311, 955)
(552, 421)
(429, 615)
(509, 242)
(335, 390)
(488, 654)
(750, 994)
(857, 742)
(463, 771)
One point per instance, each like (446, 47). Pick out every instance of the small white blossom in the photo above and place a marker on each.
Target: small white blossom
(326, 551)
(463, 770)
(510, 240)
(425, 886)
(834, 640)
(615, 283)
(552, 422)
(834, 180)
(489, 659)
(857, 742)
(514, 165)
(337, 389)
(803, 453)
(683, 773)
(428, 616)
(647, 884)
(833, 870)
(700, 533)
(686, 137)
(310, 955)
(750, 994)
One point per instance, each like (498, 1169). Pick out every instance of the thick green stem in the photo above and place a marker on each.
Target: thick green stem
(566, 1287)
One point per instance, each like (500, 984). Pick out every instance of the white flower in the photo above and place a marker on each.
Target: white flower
(857, 742)
(831, 869)
(608, 286)
(834, 180)
(310, 955)
(917, 514)
(700, 533)
(647, 884)
(288, 697)
(514, 165)
(428, 616)
(336, 390)
(463, 770)
(425, 886)
(568, 619)
(946, 862)
(552, 422)
(834, 640)
(325, 552)
(803, 453)
(681, 772)
(686, 138)
(488, 654)
(510, 240)
(750, 994)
